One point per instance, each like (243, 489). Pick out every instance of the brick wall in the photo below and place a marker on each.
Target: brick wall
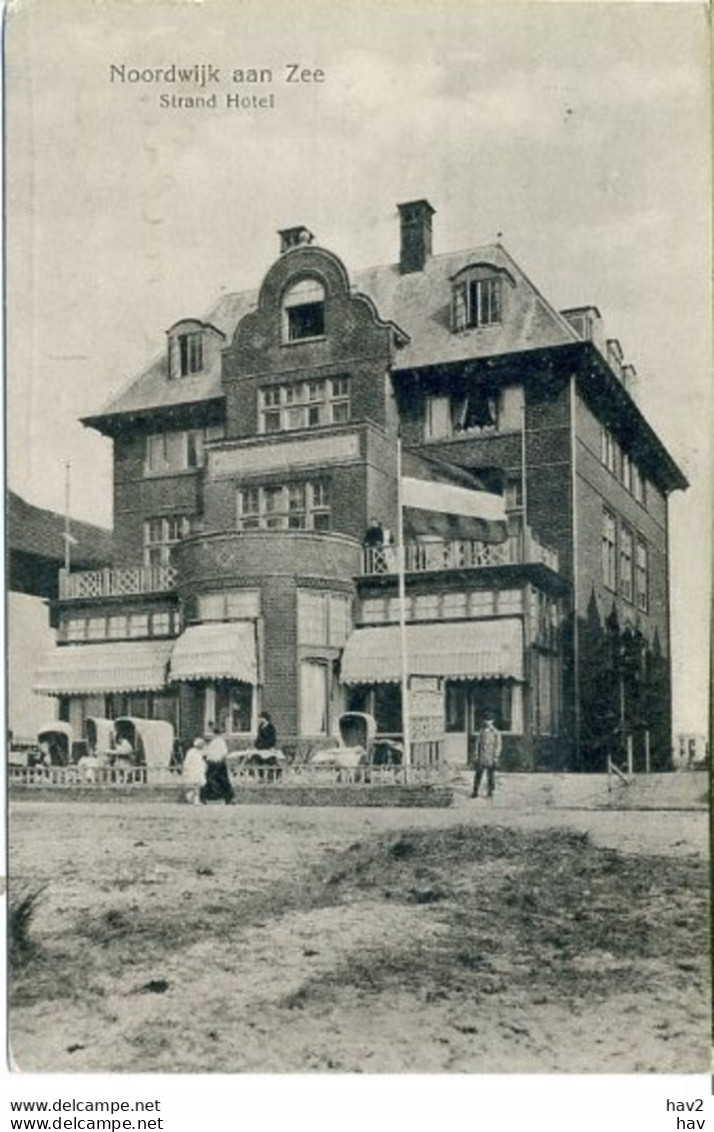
(138, 497)
(598, 488)
(354, 344)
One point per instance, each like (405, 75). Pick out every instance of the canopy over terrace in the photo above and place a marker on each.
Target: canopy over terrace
(85, 670)
(216, 651)
(469, 650)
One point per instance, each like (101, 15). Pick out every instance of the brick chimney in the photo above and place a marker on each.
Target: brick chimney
(294, 237)
(415, 233)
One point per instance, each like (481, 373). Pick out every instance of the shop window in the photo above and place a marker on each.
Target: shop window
(388, 708)
(314, 702)
(456, 706)
(233, 707)
(492, 696)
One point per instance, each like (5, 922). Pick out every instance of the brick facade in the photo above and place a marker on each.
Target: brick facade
(386, 346)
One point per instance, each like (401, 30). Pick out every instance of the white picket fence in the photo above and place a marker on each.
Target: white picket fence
(254, 777)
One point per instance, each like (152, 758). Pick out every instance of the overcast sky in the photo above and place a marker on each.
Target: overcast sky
(578, 132)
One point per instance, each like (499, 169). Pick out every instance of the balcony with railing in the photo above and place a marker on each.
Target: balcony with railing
(520, 548)
(122, 581)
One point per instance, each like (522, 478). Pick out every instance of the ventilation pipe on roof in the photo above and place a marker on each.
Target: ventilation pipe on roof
(415, 231)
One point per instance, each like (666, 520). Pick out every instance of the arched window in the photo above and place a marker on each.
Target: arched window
(186, 353)
(304, 311)
(477, 297)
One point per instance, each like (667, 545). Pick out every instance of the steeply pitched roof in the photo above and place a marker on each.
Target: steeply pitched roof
(39, 532)
(152, 388)
(418, 302)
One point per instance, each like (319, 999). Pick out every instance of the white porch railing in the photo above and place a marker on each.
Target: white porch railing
(108, 778)
(62, 777)
(323, 776)
(440, 554)
(120, 582)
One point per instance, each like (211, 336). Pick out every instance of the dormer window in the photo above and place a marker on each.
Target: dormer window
(477, 303)
(193, 348)
(304, 311)
(186, 354)
(477, 297)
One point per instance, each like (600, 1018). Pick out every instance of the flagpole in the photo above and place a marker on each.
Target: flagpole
(401, 568)
(524, 483)
(67, 537)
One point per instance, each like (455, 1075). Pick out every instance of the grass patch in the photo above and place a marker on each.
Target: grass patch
(543, 913)
(24, 898)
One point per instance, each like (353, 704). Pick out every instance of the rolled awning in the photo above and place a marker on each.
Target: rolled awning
(221, 650)
(464, 650)
(124, 666)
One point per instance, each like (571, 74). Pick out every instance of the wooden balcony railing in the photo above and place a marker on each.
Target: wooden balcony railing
(120, 582)
(439, 554)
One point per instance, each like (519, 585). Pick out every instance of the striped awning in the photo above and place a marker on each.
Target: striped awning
(123, 666)
(459, 650)
(220, 650)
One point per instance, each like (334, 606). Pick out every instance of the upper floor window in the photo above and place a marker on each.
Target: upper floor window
(472, 411)
(323, 618)
(476, 302)
(642, 577)
(160, 535)
(120, 626)
(291, 506)
(626, 563)
(229, 605)
(614, 457)
(304, 311)
(477, 296)
(178, 450)
(304, 404)
(608, 550)
(186, 354)
(639, 486)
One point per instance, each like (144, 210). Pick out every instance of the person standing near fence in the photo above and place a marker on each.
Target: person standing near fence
(193, 773)
(488, 752)
(218, 786)
(267, 738)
